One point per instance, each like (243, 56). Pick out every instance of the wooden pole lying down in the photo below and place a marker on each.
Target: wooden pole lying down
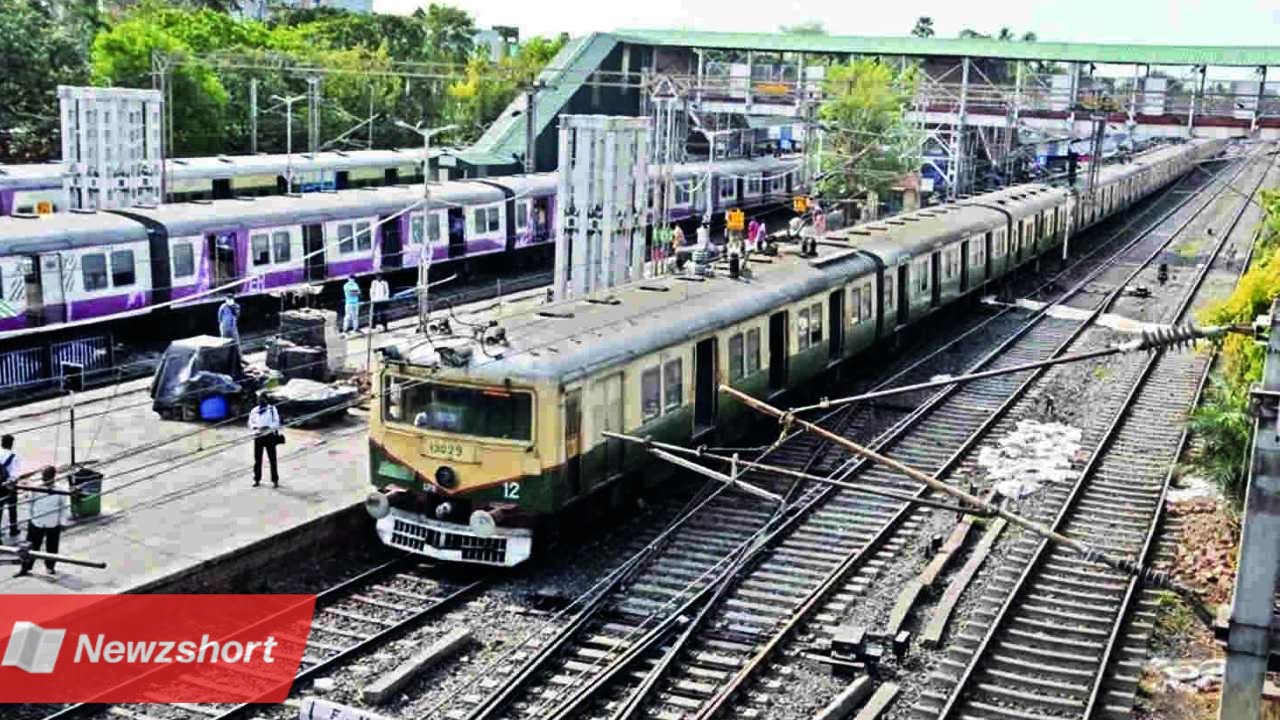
(1124, 565)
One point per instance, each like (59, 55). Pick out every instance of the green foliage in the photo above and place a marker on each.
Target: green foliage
(44, 45)
(923, 27)
(1222, 421)
(395, 67)
(867, 143)
(810, 27)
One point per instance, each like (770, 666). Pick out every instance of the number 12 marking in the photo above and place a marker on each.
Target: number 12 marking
(511, 491)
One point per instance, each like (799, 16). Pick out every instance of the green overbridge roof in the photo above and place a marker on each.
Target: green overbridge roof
(962, 47)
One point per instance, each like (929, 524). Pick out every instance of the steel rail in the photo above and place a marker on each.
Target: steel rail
(962, 682)
(635, 702)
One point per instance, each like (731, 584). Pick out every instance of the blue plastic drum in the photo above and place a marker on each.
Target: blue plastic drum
(213, 408)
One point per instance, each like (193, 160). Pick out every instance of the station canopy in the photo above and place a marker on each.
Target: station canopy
(1214, 55)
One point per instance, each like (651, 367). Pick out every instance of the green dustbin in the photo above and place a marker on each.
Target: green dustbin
(88, 501)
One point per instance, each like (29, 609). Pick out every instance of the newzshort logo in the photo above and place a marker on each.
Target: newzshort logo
(35, 649)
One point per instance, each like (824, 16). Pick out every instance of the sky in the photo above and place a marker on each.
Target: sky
(1180, 22)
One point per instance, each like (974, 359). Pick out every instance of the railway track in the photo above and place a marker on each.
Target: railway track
(692, 623)
(1065, 636)
(364, 612)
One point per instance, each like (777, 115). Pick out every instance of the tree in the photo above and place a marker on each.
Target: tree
(867, 142)
(1005, 35)
(970, 34)
(809, 27)
(923, 27)
(449, 31)
(43, 46)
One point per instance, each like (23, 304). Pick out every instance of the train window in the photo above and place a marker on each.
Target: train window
(726, 188)
(921, 270)
(815, 324)
(433, 228)
(184, 260)
(477, 218)
(522, 215)
(415, 230)
(855, 303)
(494, 222)
(122, 271)
(737, 358)
(346, 243)
(753, 351)
(866, 302)
(488, 412)
(753, 185)
(260, 249)
(651, 393)
(802, 328)
(673, 383)
(364, 236)
(889, 298)
(281, 247)
(682, 194)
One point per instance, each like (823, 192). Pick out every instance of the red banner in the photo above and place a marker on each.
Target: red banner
(151, 648)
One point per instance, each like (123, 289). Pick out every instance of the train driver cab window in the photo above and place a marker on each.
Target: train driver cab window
(753, 351)
(122, 270)
(651, 393)
(93, 269)
(482, 412)
(260, 249)
(737, 358)
(184, 260)
(281, 247)
(673, 384)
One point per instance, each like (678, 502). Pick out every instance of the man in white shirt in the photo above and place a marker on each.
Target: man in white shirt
(47, 514)
(10, 469)
(264, 421)
(379, 294)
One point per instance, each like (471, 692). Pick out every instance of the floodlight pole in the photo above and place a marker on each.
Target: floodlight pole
(424, 259)
(288, 136)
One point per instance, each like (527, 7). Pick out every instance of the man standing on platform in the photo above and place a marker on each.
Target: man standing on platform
(379, 294)
(264, 421)
(229, 320)
(351, 305)
(10, 468)
(48, 513)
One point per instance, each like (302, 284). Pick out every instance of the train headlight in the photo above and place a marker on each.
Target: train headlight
(483, 524)
(377, 505)
(446, 477)
(443, 510)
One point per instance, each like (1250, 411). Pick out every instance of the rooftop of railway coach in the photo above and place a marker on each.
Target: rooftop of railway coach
(46, 233)
(568, 340)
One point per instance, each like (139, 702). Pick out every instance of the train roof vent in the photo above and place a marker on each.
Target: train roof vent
(26, 215)
(654, 288)
(225, 159)
(859, 231)
(339, 153)
(147, 206)
(893, 221)
(84, 211)
(202, 201)
(178, 161)
(245, 198)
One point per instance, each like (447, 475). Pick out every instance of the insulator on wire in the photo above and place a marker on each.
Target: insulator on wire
(1174, 336)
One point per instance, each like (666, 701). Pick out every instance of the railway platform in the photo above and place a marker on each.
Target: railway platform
(179, 496)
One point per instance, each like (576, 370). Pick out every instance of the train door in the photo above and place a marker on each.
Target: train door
(52, 269)
(222, 189)
(573, 440)
(607, 411)
(988, 244)
(390, 176)
(222, 256)
(704, 384)
(778, 327)
(541, 211)
(964, 266)
(457, 233)
(392, 244)
(904, 294)
(342, 180)
(30, 265)
(935, 279)
(313, 249)
(835, 321)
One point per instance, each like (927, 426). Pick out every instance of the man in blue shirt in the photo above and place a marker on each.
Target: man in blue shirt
(351, 305)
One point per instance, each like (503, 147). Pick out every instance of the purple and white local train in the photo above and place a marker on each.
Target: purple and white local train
(79, 266)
